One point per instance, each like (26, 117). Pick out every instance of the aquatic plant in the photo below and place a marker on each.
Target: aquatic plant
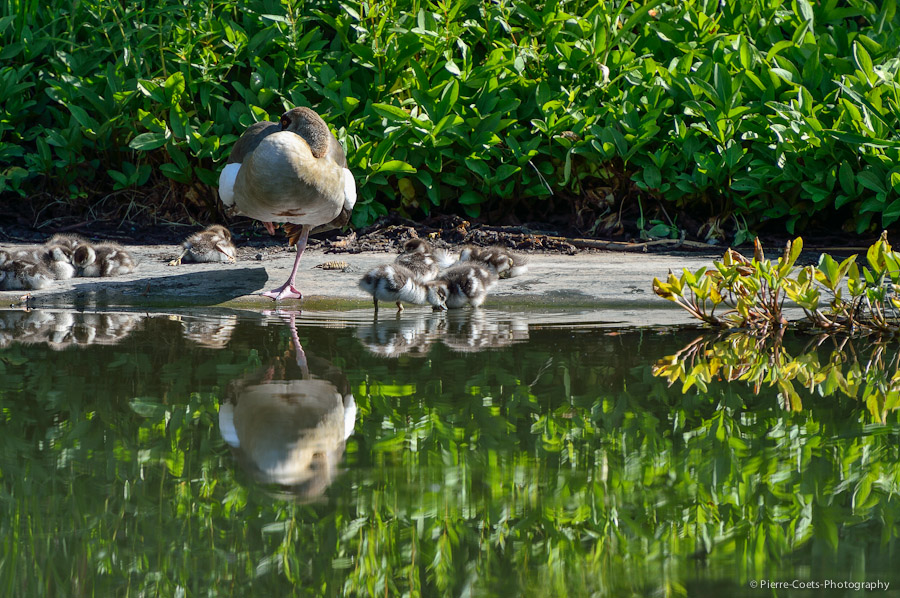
(834, 296)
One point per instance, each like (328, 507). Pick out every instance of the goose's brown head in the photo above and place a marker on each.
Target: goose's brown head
(310, 126)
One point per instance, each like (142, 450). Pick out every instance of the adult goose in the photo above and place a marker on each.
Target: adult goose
(294, 172)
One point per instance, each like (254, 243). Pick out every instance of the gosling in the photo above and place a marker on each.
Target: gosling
(500, 260)
(393, 282)
(210, 245)
(56, 258)
(19, 274)
(465, 284)
(103, 259)
(422, 259)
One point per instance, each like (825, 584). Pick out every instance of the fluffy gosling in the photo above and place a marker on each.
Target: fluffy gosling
(422, 259)
(103, 259)
(21, 274)
(503, 262)
(393, 282)
(465, 284)
(69, 240)
(210, 245)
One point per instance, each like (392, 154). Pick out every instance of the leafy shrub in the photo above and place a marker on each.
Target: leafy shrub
(752, 291)
(761, 109)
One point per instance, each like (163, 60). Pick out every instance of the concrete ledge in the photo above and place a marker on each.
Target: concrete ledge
(601, 286)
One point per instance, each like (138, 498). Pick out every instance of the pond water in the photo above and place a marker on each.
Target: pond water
(486, 453)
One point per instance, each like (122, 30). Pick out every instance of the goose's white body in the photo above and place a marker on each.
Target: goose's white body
(293, 172)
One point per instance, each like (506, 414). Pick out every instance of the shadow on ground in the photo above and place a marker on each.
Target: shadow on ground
(194, 288)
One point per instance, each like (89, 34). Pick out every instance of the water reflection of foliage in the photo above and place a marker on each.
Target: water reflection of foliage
(562, 466)
(863, 370)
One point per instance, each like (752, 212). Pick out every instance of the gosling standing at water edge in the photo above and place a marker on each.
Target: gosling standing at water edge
(393, 282)
(466, 284)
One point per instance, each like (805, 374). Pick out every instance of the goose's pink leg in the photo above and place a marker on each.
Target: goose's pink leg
(287, 290)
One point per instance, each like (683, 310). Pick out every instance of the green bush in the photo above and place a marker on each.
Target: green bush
(757, 109)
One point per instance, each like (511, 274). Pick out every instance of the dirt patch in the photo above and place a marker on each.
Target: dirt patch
(389, 233)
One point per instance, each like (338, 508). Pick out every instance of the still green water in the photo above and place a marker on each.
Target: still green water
(464, 454)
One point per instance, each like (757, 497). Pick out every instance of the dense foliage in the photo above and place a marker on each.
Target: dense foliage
(725, 113)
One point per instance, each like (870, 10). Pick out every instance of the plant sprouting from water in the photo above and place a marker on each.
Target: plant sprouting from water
(834, 295)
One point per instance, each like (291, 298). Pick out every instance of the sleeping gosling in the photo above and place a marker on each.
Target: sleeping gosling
(69, 240)
(56, 258)
(19, 274)
(210, 245)
(102, 259)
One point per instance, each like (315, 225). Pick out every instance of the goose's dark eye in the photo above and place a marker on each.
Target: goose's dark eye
(285, 123)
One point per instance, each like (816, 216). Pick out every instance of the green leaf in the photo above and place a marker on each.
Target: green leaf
(805, 10)
(872, 181)
(864, 62)
(652, 176)
(174, 87)
(857, 139)
(148, 141)
(891, 213)
(847, 178)
(394, 166)
(471, 198)
(81, 117)
(783, 73)
(391, 112)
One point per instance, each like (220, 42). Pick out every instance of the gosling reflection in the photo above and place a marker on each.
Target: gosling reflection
(62, 329)
(465, 331)
(288, 426)
(406, 334)
(861, 369)
(210, 331)
(470, 332)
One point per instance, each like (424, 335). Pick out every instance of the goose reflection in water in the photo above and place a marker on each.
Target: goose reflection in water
(464, 331)
(288, 423)
(62, 329)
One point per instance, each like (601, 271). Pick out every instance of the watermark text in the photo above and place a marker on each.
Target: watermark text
(820, 584)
